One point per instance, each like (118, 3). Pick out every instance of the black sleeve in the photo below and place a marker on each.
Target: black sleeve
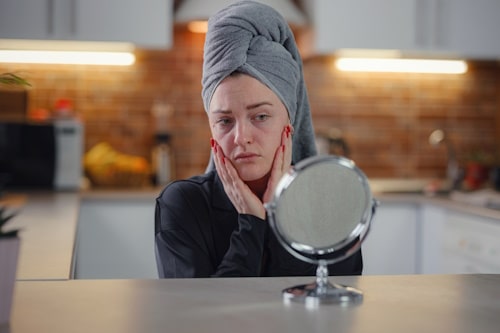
(184, 242)
(246, 247)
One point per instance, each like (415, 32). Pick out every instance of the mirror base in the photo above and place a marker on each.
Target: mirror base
(313, 295)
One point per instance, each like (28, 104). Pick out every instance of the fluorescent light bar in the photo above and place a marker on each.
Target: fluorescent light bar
(401, 65)
(66, 52)
(67, 57)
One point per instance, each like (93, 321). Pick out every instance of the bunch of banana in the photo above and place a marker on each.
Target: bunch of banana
(106, 166)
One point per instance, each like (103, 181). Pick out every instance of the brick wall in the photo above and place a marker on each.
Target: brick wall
(385, 118)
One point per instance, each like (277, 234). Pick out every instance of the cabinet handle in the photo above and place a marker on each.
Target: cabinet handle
(73, 17)
(50, 17)
(421, 22)
(440, 17)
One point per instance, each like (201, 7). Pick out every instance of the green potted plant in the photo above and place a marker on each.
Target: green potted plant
(9, 252)
(12, 79)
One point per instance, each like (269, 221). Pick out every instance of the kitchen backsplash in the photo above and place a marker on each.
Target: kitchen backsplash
(385, 118)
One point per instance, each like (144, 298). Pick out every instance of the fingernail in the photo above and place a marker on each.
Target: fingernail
(283, 146)
(212, 142)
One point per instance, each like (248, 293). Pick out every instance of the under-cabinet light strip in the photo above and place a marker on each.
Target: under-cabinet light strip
(401, 65)
(67, 57)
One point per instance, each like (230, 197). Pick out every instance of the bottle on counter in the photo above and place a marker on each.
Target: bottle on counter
(162, 160)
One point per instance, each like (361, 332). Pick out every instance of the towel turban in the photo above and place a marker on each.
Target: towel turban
(254, 39)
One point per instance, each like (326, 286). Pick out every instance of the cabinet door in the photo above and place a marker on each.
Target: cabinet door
(473, 28)
(115, 239)
(26, 19)
(391, 245)
(432, 220)
(363, 24)
(470, 244)
(147, 23)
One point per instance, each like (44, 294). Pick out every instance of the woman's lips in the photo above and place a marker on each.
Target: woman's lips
(245, 157)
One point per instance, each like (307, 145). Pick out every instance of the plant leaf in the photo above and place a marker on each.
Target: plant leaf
(13, 80)
(9, 234)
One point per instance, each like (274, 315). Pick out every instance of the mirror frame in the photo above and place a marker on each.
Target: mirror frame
(335, 252)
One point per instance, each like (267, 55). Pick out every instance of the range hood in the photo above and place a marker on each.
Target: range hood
(200, 10)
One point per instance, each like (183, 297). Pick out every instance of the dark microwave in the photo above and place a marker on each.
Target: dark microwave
(41, 155)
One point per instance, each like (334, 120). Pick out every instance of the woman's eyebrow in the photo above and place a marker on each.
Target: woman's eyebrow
(221, 111)
(258, 104)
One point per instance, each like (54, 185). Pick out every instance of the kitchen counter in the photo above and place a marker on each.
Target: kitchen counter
(403, 303)
(48, 222)
(48, 226)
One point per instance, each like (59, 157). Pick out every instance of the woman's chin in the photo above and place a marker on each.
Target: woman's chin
(251, 174)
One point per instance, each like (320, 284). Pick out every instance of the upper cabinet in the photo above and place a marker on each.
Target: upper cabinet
(146, 23)
(450, 27)
(365, 24)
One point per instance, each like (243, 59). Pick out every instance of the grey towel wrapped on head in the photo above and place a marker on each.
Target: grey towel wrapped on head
(254, 39)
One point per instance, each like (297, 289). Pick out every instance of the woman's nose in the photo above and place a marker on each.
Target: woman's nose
(243, 134)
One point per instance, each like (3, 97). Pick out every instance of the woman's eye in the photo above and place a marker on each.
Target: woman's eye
(261, 117)
(223, 121)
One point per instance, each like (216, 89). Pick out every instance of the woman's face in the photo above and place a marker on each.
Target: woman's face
(247, 121)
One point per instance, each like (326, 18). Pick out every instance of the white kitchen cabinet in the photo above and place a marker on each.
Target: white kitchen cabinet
(115, 239)
(432, 219)
(362, 24)
(26, 19)
(146, 23)
(455, 242)
(470, 244)
(417, 27)
(470, 28)
(391, 245)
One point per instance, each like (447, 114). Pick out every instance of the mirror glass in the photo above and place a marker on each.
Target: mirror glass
(321, 213)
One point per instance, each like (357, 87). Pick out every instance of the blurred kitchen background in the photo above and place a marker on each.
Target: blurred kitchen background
(383, 118)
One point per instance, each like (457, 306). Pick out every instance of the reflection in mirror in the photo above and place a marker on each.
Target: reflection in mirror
(321, 213)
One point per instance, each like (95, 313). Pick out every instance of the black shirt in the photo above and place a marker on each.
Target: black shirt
(199, 233)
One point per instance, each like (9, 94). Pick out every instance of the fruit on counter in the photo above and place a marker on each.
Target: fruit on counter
(106, 166)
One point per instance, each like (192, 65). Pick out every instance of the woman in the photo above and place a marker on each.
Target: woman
(253, 91)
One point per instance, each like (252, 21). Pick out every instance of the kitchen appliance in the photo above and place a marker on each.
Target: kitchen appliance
(41, 155)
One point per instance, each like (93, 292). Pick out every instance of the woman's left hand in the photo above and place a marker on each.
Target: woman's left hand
(282, 163)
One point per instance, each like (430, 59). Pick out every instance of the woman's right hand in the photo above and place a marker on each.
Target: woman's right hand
(241, 196)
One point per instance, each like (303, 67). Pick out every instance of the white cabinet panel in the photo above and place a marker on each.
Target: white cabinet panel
(472, 28)
(470, 244)
(432, 224)
(462, 28)
(365, 24)
(391, 245)
(115, 240)
(25, 19)
(146, 23)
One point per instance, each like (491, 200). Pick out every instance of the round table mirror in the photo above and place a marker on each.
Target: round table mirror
(321, 213)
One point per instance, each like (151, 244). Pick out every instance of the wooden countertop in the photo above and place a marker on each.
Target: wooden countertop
(402, 303)
(47, 223)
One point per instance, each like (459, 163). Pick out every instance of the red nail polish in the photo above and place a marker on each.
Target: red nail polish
(283, 147)
(212, 142)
